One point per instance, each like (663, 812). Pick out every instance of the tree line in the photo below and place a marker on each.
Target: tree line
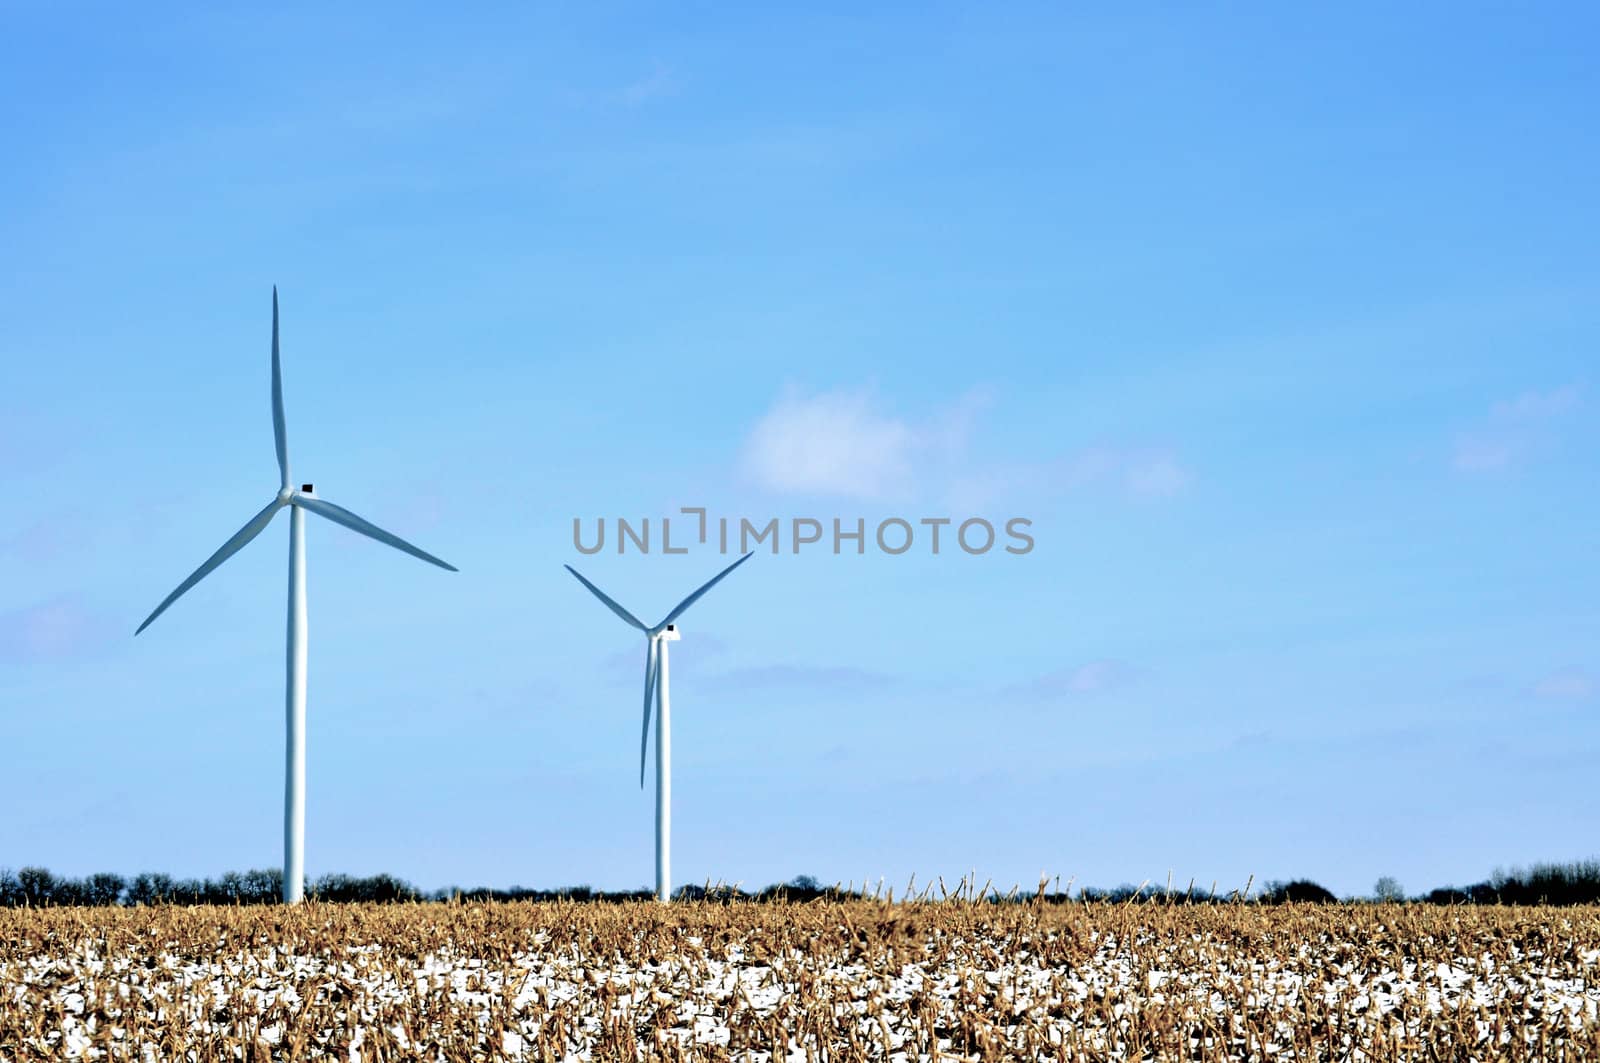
(1571, 883)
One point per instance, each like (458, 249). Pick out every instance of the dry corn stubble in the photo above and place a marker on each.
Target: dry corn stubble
(841, 981)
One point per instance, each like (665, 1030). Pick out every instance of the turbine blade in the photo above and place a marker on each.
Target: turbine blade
(227, 550)
(280, 432)
(650, 669)
(340, 515)
(695, 597)
(613, 606)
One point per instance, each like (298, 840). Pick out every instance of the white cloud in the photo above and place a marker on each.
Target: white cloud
(847, 443)
(844, 443)
(1567, 686)
(1514, 429)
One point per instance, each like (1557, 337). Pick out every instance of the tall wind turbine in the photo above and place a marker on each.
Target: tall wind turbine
(655, 681)
(298, 503)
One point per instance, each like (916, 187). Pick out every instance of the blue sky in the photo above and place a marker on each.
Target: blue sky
(1278, 325)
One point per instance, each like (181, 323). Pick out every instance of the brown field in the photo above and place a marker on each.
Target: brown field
(837, 981)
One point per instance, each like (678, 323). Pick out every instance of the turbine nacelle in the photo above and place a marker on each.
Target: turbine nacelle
(288, 495)
(665, 631)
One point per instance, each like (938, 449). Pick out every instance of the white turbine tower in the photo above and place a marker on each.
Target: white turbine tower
(655, 680)
(297, 502)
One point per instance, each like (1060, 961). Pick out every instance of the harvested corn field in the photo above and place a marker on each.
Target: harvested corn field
(824, 980)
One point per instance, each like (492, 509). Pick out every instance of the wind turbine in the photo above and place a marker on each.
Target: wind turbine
(655, 680)
(298, 503)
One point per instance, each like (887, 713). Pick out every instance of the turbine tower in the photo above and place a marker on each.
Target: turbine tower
(655, 681)
(298, 502)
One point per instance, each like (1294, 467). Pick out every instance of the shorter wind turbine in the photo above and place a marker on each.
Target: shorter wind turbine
(655, 681)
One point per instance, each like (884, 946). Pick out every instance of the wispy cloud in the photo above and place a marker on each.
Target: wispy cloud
(626, 668)
(1513, 431)
(45, 539)
(790, 677)
(58, 628)
(1568, 685)
(1092, 677)
(849, 443)
(1538, 405)
(1479, 454)
(658, 83)
(1141, 474)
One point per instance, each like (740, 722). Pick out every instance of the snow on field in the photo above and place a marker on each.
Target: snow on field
(800, 982)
